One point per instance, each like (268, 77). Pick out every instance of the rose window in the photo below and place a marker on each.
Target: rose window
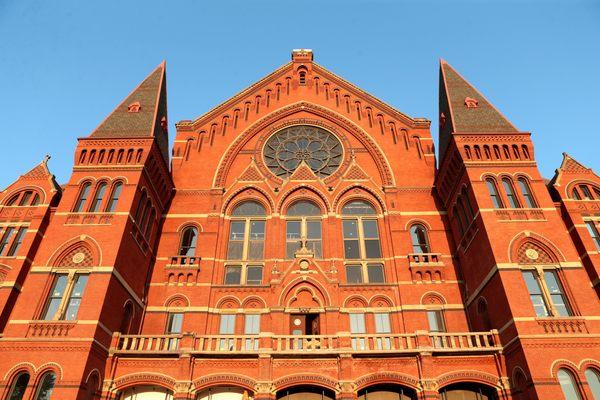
(288, 148)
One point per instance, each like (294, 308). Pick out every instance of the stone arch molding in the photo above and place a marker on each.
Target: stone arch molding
(386, 377)
(144, 378)
(305, 379)
(467, 376)
(88, 245)
(236, 146)
(293, 288)
(531, 237)
(224, 379)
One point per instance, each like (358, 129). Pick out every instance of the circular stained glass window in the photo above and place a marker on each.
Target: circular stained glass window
(288, 148)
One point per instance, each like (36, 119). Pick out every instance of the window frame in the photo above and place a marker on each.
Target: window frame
(592, 228)
(417, 245)
(15, 381)
(98, 198)
(67, 295)
(193, 243)
(304, 220)
(510, 193)
(526, 193)
(82, 197)
(546, 294)
(244, 267)
(114, 196)
(40, 383)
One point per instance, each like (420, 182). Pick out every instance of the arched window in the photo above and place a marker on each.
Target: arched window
(84, 192)
(13, 200)
(189, 237)
(494, 195)
(127, 318)
(45, 387)
(140, 208)
(587, 195)
(114, 197)
(98, 197)
(482, 311)
(36, 200)
(467, 391)
(513, 201)
(303, 224)
(568, 385)
(19, 386)
(361, 243)
(246, 244)
(593, 380)
(459, 221)
(303, 77)
(576, 195)
(418, 236)
(526, 192)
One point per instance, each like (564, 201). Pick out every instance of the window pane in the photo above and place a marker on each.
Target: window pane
(376, 274)
(6, 239)
(535, 294)
(292, 230)
(75, 298)
(593, 381)
(351, 249)
(254, 275)
(234, 250)
(114, 198)
(18, 389)
(493, 193)
(236, 237)
(55, 297)
(252, 324)
(370, 229)
(313, 229)
(85, 192)
(587, 195)
(174, 323)
(227, 326)
(357, 323)
(237, 230)
(14, 248)
(291, 248)
(98, 197)
(510, 194)
(304, 208)
(372, 248)
(25, 198)
(255, 250)
(188, 242)
(79, 286)
(249, 208)
(350, 227)
(382, 323)
(419, 240)
(526, 192)
(593, 233)
(354, 274)
(436, 321)
(568, 386)
(358, 207)
(316, 247)
(257, 230)
(46, 385)
(556, 293)
(233, 275)
(532, 285)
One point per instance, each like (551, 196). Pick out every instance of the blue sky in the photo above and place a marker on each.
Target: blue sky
(64, 65)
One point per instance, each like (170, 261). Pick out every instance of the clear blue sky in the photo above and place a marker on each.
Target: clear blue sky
(64, 65)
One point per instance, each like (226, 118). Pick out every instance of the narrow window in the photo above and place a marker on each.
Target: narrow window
(74, 300)
(591, 227)
(535, 294)
(302, 78)
(597, 193)
(36, 200)
(467, 201)
(357, 327)
(19, 386)
(14, 248)
(351, 239)
(382, 327)
(525, 152)
(44, 391)
(233, 274)
(526, 192)
(494, 194)
(576, 195)
(188, 242)
(83, 196)
(227, 327)
(587, 195)
(557, 296)
(435, 319)
(375, 273)
(98, 197)
(303, 225)
(25, 198)
(56, 295)
(418, 235)
(593, 380)
(174, 323)
(114, 197)
(459, 222)
(568, 385)
(150, 223)
(254, 275)
(251, 327)
(6, 239)
(510, 193)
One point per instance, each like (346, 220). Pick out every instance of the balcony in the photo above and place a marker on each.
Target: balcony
(426, 267)
(298, 345)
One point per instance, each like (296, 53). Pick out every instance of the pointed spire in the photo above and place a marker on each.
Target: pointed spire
(142, 114)
(463, 109)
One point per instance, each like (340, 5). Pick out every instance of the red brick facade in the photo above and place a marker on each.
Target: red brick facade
(302, 244)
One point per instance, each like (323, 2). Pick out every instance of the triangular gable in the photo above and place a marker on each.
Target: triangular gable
(143, 113)
(569, 166)
(355, 173)
(251, 174)
(303, 173)
(40, 173)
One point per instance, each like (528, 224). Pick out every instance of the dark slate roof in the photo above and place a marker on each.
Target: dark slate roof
(484, 118)
(151, 95)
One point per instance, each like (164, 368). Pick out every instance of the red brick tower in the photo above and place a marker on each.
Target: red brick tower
(521, 271)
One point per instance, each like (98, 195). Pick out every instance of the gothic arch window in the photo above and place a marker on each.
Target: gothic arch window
(513, 200)
(303, 225)
(526, 193)
(19, 385)
(82, 198)
(419, 238)
(245, 250)
(482, 311)
(189, 238)
(361, 243)
(98, 197)
(493, 191)
(114, 197)
(568, 384)
(593, 379)
(45, 386)
(287, 149)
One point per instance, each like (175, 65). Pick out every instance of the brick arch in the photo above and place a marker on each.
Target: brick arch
(417, 221)
(246, 193)
(177, 300)
(253, 302)
(49, 366)
(35, 188)
(433, 298)
(548, 252)
(95, 372)
(325, 113)
(356, 301)
(229, 302)
(386, 377)
(20, 367)
(144, 378)
(466, 376)
(64, 255)
(563, 363)
(589, 363)
(518, 378)
(298, 193)
(360, 192)
(569, 187)
(380, 298)
(288, 381)
(309, 283)
(241, 381)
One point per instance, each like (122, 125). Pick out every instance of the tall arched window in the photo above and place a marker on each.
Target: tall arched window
(576, 195)
(568, 385)
(361, 243)
(526, 192)
(19, 386)
(246, 244)
(45, 387)
(303, 224)
(114, 197)
(98, 197)
(418, 236)
(593, 380)
(189, 237)
(494, 195)
(513, 201)
(84, 193)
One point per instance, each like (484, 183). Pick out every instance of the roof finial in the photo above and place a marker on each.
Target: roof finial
(302, 55)
(46, 158)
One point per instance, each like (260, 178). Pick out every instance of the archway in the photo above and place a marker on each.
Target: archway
(146, 392)
(468, 391)
(305, 393)
(387, 392)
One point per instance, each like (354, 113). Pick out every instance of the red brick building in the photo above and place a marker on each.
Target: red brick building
(302, 242)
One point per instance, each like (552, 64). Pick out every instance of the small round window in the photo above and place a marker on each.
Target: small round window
(288, 148)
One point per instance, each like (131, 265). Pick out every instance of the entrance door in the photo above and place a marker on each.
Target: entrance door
(305, 324)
